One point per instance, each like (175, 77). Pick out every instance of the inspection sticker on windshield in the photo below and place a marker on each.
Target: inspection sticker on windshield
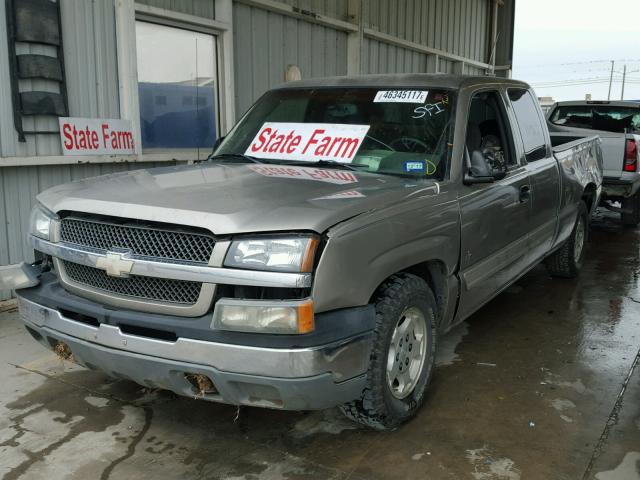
(414, 166)
(308, 141)
(401, 96)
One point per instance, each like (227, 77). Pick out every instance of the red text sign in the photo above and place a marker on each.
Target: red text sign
(308, 141)
(95, 136)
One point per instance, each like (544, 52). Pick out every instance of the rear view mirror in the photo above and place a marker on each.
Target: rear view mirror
(482, 170)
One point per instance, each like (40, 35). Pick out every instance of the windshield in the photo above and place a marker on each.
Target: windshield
(394, 132)
(598, 117)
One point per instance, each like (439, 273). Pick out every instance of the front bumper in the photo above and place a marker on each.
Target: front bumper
(308, 378)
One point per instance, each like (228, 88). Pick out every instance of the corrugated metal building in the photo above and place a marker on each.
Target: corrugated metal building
(130, 60)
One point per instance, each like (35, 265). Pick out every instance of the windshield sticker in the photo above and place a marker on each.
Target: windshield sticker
(338, 177)
(430, 109)
(307, 141)
(341, 195)
(401, 96)
(414, 166)
(426, 167)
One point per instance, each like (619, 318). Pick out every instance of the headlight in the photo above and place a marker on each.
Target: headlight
(274, 316)
(40, 222)
(286, 254)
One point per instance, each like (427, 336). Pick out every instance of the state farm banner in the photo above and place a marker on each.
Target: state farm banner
(307, 141)
(96, 136)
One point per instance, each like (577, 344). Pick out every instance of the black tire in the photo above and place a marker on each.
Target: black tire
(566, 262)
(631, 211)
(378, 408)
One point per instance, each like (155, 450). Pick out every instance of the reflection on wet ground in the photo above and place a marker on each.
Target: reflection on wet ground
(539, 384)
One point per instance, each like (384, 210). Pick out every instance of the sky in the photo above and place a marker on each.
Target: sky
(564, 48)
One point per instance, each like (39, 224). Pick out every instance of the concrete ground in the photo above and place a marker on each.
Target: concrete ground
(542, 383)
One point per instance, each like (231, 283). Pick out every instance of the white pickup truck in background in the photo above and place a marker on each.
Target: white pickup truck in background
(617, 123)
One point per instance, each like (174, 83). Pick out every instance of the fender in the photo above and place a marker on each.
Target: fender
(363, 251)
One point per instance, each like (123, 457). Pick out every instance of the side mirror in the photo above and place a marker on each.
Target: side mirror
(481, 170)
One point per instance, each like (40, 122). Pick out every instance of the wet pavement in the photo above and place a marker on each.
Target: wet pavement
(539, 384)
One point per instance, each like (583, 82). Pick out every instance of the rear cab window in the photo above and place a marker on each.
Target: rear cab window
(529, 123)
(608, 118)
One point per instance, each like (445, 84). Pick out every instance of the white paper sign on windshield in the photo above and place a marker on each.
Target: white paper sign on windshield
(308, 141)
(401, 96)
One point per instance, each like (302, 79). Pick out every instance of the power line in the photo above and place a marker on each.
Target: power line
(587, 62)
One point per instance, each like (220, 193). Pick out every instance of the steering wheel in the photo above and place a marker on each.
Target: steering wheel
(409, 145)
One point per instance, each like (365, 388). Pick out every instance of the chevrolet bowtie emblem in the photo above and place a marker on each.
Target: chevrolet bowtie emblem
(116, 264)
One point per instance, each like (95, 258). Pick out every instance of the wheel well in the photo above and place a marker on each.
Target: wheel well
(434, 273)
(589, 196)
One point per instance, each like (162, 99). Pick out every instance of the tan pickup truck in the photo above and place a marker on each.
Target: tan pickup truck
(315, 259)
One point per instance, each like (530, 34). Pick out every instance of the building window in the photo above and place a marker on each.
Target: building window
(175, 64)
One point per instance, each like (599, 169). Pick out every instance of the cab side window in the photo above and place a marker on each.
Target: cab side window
(488, 130)
(531, 128)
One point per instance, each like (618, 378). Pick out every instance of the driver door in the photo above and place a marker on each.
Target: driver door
(495, 217)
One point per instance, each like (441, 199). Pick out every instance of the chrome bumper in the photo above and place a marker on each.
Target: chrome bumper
(21, 275)
(342, 360)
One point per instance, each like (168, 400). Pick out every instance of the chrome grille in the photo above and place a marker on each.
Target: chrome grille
(148, 288)
(160, 244)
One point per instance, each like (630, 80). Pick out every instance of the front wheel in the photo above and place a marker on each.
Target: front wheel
(402, 356)
(630, 215)
(567, 261)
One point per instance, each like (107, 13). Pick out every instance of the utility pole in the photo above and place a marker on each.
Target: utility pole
(624, 74)
(610, 80)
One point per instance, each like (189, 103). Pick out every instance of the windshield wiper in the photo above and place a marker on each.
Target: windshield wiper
(332, 164)
(233, 156)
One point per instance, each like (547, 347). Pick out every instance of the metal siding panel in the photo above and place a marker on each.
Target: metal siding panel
(392, 12)
(466, 26)
(455, 24)
(383, 16)
(266, 42)
(242, 60)
(483, 34)
(405, 23)
(317, 54)
(383, 57)
(290, 45)
(198, 8)
(374, 14)
(449, 26)
(473, 13)
(4, 239)
(275, 38)
(166, 4)
(107, 79)
(375, 56)
(259, 48)
(438, 19)
(304, 49)
(341, 55)
(331, 50)
(88, 30)
(7, 132)
(417, 20)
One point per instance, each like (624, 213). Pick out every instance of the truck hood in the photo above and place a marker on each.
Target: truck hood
(231, 198)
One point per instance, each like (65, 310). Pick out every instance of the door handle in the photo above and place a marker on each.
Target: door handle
(525, 193)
